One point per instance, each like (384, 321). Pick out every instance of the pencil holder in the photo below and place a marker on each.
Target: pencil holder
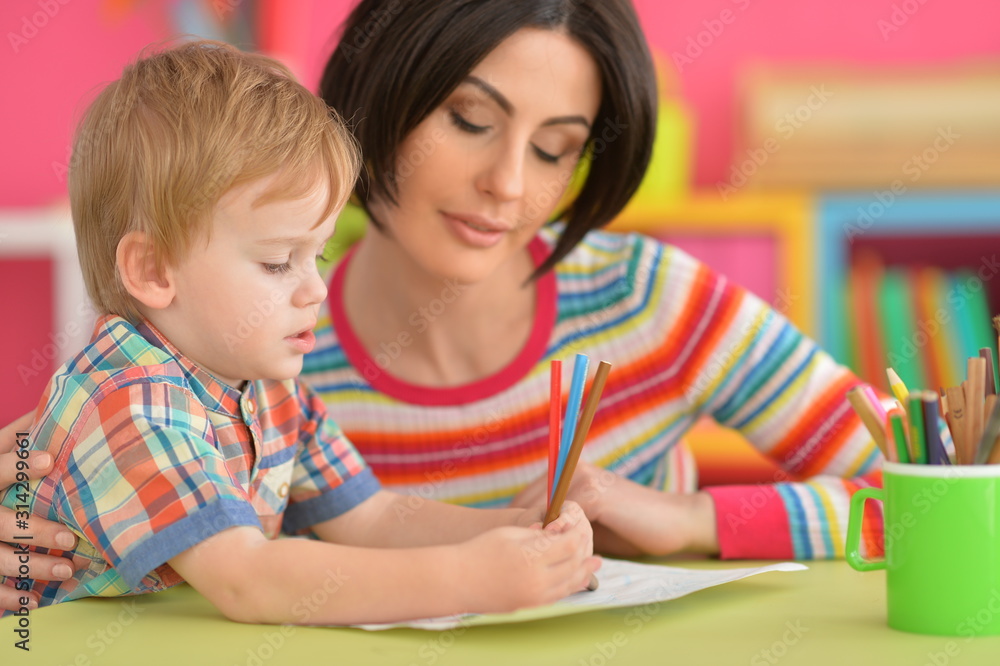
(942, 547)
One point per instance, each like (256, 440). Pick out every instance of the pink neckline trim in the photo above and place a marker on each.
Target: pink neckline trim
(533, 350)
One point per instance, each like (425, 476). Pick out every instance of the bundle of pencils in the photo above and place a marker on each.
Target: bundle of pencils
(567, 435)
(909, 432)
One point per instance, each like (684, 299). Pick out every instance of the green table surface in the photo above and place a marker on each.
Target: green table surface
(827, 615)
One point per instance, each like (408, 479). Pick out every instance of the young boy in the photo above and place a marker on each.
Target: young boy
(203, 185)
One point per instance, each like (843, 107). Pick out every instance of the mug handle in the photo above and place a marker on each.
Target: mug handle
(854, 521)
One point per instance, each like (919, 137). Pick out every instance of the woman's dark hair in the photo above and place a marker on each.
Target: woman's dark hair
(397, 60)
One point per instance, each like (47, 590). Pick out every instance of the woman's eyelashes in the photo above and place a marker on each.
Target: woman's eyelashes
(465, 126)
(544, 156)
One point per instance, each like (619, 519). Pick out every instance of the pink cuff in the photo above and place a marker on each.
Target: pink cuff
(751, 522)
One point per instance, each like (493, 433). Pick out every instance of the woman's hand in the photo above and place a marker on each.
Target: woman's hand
(42, 532)
(630, 519)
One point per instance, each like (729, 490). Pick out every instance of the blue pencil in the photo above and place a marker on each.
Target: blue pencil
(572, 413)
(936, 455)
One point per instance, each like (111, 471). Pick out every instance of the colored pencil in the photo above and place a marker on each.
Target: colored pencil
(555, 425)
(869, 416)
(874, 401)
(918, 442)
(572, 413)
(987, 444)
(573, 455)
(986, 354)
(897, 428)
(974, 395)
(964, 453)
(936, 454)
(898, 387)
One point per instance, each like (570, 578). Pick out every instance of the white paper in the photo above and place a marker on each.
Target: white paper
(622, 583)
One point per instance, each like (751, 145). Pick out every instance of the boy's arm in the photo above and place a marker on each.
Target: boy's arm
(334, 493)
(277, 581)
(391, 520)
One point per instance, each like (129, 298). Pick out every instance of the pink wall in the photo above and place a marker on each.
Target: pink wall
(87, 41)
(50, 63)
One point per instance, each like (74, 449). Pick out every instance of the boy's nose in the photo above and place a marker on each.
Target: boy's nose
(311, 290)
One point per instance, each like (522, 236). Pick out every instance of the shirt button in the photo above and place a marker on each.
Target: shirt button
(283, 491)
(251, 406)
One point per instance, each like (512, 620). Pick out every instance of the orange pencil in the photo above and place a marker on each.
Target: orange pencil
(555, 424)
(586, 418)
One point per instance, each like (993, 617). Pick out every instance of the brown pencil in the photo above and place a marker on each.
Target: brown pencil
(956, 423)
(989, 447)
(586, 418)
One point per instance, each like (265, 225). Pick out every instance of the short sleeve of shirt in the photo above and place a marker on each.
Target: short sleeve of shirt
(330, 477)
(142, 481)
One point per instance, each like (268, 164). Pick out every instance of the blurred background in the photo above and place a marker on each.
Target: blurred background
(839, 159)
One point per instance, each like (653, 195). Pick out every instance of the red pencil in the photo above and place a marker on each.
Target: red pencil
(555, 424)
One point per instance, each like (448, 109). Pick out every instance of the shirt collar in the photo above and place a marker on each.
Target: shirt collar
(211, 392)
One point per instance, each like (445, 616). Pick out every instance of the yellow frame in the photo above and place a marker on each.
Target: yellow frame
(788, 216)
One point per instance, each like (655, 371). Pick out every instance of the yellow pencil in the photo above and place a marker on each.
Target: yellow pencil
(898, 387)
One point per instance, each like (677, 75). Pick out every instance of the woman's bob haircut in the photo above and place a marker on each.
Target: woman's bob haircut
(397, 60)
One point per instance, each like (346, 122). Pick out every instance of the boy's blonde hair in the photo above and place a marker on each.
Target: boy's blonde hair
(159, 147)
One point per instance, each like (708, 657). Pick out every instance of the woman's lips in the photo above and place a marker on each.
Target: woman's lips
(475, 231)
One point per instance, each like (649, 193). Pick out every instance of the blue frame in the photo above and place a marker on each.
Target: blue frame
(907, 214)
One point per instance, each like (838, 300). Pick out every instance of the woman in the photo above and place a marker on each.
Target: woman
(433, 349)
(434, 358)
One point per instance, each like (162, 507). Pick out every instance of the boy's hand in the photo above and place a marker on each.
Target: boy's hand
(512, 567)
(43, 532)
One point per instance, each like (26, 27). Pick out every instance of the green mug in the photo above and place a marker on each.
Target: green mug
(942, 547)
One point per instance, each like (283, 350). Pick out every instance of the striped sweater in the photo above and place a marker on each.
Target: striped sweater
(683, 341)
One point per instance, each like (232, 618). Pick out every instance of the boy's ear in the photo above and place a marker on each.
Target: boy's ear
(137, 268)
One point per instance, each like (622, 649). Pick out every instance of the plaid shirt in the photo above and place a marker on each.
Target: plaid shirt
(154, 455)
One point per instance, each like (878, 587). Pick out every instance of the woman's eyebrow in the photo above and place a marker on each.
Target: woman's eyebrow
(508, 108)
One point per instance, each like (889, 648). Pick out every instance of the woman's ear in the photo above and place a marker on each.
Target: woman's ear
(137, 268)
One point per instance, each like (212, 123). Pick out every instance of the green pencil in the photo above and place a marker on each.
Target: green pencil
(918, 441)
(898, 427)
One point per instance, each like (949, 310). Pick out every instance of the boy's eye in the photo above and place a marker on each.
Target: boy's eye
(464, 125)
(275, 269)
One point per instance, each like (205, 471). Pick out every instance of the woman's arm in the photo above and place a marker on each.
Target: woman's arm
(43, 532)
(746, 366)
